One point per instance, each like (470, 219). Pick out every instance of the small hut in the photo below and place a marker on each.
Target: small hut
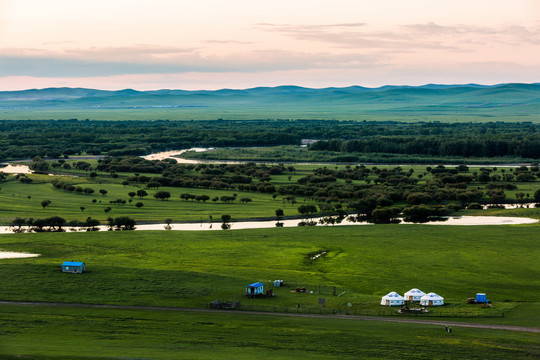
(74, 267)
(255, 289)
(431, 299)
(413, 295)
(481, 298)
(392, 299)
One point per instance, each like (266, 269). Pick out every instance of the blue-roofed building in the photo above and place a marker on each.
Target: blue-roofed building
(75, 267)
(255, 289)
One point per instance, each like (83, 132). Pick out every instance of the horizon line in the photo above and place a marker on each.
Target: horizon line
(278, 86)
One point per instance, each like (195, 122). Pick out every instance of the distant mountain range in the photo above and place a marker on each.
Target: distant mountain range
(355, 102)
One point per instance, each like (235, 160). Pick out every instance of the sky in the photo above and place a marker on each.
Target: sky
(215, 44)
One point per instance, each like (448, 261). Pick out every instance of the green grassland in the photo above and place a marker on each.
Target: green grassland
(172, 268)
(260, 112)
(508, 102)
(190, 269)
(135, 334)
(16, 203)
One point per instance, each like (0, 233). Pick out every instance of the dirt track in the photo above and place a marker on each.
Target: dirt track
(348, 317)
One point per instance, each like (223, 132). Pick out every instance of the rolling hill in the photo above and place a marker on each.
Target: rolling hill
(471, 102)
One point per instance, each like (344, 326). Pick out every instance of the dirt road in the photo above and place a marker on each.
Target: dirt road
(247, 313)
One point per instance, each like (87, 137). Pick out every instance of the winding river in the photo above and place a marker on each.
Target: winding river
(242, 225)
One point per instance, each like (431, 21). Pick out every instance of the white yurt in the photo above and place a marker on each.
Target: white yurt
(392, 299)
(431, 299)
(413, 295)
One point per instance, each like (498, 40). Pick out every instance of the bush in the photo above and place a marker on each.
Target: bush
(474, 206)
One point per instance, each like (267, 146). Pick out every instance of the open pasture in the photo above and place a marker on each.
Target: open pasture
(191, 269)
(112, 333)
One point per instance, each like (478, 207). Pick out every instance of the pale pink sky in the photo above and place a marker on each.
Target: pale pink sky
(211, 44)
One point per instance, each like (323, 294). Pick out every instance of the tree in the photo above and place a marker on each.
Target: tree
(279, 213)
(132, 194)
(141, 193)
(107, 209)
(82, 208)
(91, 224)
(245, 200)
(45, 203)
(537, 194)
(88, 191)
(55, 223)
(139, 205)
(39, 165)
(162, 195)
(124, 223)
(418, 198)
(225, 218)
(385, 214)
(103, 192)
(153, 185)
(307, 209)
(202, 197)
(19, 223)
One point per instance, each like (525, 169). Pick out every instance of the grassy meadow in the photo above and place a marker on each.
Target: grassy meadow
(505, 102)
(191, 269)
(137, 334)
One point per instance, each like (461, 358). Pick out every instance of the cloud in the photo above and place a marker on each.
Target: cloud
(407, 37)
(150, 59)
(516, 33)
(359, 37)
(227, 42)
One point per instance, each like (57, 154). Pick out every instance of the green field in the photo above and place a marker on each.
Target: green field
(136, 334)
(170, 268)
(182, 269)
(505, 102)
(14, 196)
(190, 269)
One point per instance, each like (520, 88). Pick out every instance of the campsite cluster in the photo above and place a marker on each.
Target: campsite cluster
(413, 295)
(429, 299)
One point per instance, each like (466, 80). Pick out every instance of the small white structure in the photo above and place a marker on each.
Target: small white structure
(392, 299)
(413, 295)
(431, 299)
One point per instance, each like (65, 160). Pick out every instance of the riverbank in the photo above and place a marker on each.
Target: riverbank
(242, 225)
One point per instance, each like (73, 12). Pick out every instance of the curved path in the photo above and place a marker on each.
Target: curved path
(348, 317)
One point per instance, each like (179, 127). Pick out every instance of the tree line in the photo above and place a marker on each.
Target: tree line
(57, 138)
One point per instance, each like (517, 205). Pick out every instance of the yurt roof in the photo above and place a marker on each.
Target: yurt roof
(415, 292)
(393, 296)
(432, 296)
